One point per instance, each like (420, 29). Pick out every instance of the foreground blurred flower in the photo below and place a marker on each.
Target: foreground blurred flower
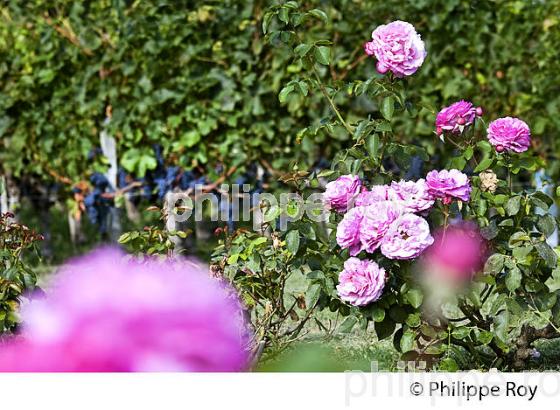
(106, 313)
(456, 117)
(458, 252)
(449, 184)
(397, 47)
(340, 193)
(407, 237)
(509, 134)
(361, 282)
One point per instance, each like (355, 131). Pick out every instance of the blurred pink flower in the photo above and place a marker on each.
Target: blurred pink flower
(456, 117)
(361, 282)
(413, 196)
(397, 47)
(340, 194)
(509, 134)
(458, 252)
(407, 238)
(449, 184)
(107, 313)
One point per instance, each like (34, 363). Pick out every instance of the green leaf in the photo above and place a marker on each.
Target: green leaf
(546, 224)
(312, 295)
(448, 365)
(372, 146)
(501, 325)
(513, 279)
(388, 107)
(303, 49)
(494, 264)
(407, 341)
(553, 282)
(323, 55)
(484, 165)
(513, 205)
(285, 92)
(547, 254)
(347, 325)
(320, 14)
(272, 213)
(485, 337)
(292, 241)
(461, 332)
(414, 320)
(415, 297)
(385, 328)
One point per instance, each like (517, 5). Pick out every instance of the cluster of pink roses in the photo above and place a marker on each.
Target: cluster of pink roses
(398, 48)
(506, 134)
(385, 218)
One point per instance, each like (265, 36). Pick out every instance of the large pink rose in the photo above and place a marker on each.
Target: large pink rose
(348, 230)
(407, 237)
(412, 196)
(105, 313)
(449, 184)
(509, 134)
(340, 194)
(376, 194)
(361, 282)
(375, 223)
(456, 117)
(397, 47)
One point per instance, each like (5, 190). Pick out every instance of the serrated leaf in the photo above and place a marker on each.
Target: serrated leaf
(323, 55)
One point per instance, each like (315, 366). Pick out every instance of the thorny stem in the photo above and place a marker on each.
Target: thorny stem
(331, 102)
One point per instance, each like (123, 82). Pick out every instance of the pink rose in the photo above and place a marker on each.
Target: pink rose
(509, 134)
(448, 184)
(361, 282)
(397, 47)
(456, 117)
(412, 196)
(340, 194)
(348, 230)
(407, 237)
(105, 313)
(375, 194)
(375, 223)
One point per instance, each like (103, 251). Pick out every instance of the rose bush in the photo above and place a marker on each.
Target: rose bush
(482, 292)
